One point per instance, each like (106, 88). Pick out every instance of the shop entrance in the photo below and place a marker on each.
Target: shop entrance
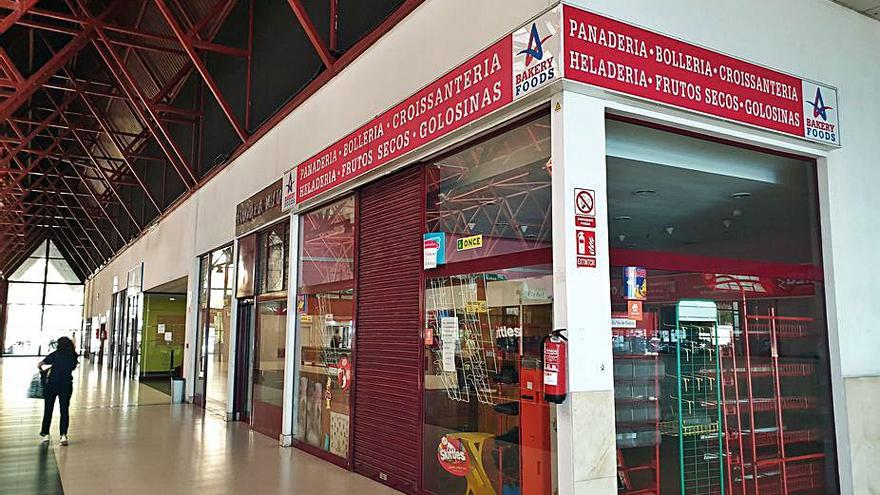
(215, 312)
(721, 361)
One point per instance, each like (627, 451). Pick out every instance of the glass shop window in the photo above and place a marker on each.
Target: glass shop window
(493, 198)
(721, 367)
(273, 257)
(487, 427)
(325, 325)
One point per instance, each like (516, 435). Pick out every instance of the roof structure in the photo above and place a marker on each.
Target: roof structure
(112, 112)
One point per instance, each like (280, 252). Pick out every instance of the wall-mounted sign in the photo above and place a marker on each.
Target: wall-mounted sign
(434, 249)
(160, 328)
(518, 64)
(614, 55)
(634, 310)
(472, 242)
(260, 209)
(288, 190)
(619, 322)
(168, 337)
(568, 42)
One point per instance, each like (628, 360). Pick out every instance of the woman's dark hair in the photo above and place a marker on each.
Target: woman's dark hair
(65, 346)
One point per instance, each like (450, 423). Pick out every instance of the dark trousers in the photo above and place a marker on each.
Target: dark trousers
(63, 393)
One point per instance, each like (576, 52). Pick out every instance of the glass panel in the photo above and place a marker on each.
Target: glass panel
(325, 310)
(25, 293)
(54, 252)
(274, 259)
(66, 294)
(734, 229)
(204, 318)
(271, 346)
(486, 422)
(495, 194)
(31, 270)
(218, 327)
(668, 192)
(22, 329)
(59, 321)
(60, 271)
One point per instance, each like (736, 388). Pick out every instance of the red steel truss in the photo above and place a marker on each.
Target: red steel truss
(95, 143)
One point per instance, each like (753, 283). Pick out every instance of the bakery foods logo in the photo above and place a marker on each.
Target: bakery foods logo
(535, 47)
(820, 113)
(453, 457)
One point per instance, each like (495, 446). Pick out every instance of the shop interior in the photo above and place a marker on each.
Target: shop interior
(732, 397)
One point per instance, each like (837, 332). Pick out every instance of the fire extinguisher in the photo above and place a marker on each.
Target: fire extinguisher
(554, 349)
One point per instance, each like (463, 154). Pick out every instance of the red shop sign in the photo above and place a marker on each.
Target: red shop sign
(516, 65)
(610, 54)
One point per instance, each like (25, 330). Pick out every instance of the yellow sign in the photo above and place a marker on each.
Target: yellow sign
(472, 242)
(476, 307)
(305, 318)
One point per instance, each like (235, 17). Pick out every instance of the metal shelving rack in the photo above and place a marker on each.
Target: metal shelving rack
(764, 456)
(638, 466)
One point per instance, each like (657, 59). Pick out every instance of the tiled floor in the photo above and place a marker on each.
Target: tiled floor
(126, 438)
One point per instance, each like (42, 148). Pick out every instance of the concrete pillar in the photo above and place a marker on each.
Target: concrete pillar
(232, 339)
(292, 351)
(192, 324)
(582, 302)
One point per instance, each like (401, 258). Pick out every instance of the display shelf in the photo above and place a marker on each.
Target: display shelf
(637, 373)
(756, 440)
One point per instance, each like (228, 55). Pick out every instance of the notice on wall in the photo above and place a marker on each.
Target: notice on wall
(449, 328)
(168, 337)
(160, 328)
(434, 249)
(584, 202)
(448, 338)
(467, 243)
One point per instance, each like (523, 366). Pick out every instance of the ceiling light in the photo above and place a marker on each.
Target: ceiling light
(623, 218)
(737, 212)
(644, 192)
(740, 195)
(670, 229)
(727, 223)
(631, 244)
(172, 299)
(622, 237)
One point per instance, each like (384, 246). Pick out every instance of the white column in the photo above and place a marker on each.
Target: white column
(232, 338)
(192, 334)
(582, 301)
(291, 352)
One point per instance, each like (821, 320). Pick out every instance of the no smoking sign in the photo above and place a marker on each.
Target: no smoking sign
(585, 202)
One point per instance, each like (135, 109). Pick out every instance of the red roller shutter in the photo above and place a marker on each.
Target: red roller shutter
(387, 412)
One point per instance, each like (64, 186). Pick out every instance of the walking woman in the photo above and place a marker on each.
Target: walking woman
(59, 385)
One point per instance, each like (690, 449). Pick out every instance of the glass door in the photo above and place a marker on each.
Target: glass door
(215, 309)
(270, 332)
(268, 375)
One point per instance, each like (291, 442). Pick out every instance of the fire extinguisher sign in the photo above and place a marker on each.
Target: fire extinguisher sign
(585, 222)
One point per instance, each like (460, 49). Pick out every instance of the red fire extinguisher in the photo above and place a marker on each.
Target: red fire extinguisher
(555, 356)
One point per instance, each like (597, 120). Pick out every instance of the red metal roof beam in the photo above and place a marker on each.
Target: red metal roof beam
(312, 32)
(19, 9)
(189, 47)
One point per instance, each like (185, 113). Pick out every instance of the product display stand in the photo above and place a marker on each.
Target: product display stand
(771, 447)
(637, 374)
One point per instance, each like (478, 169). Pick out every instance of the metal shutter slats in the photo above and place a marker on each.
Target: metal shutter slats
(387, 419)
